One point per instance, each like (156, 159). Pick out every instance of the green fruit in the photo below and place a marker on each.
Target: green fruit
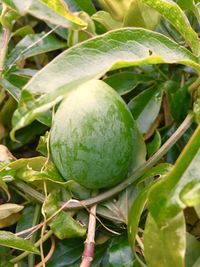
(93, 135)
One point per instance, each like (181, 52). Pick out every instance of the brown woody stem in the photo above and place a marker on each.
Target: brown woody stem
(88, 253)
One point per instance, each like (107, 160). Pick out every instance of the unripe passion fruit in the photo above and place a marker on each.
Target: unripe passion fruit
(92, 136)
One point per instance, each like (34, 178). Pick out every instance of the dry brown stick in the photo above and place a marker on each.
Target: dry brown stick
(88, 252)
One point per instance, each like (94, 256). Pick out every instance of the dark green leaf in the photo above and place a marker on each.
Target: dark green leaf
(97, 56)
(66, 253)
(120, 254)
(165, 246)
(180, 103)
(125, 82)
(154, 144)
(26, 221)
(86, 5)
(146, 106)
(9, 239)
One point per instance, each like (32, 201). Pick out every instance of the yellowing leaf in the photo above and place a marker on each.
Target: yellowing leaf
(61, 8)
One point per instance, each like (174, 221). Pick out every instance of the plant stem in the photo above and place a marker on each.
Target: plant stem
(132, 179)
(36, 218)
(30, 191)
(26, 253)
(88, 253)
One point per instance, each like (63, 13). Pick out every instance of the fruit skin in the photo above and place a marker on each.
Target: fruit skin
(92, 136)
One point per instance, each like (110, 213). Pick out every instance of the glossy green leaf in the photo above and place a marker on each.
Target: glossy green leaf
(172, 12)
(62, 9)
(158, 171)
(62, 225)
(140, 201)
(42, 11)
(141, 15)
(106, 20)
(32, 45)
(9, 239)
(135, 214)
(94, 58)
(120, 253)
(181, 187)
(165, 246)
(124, 82)
(146, 106)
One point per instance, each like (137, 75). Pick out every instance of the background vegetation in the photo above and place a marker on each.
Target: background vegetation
(148, 51)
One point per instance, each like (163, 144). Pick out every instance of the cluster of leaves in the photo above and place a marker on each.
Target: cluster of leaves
(148, 51)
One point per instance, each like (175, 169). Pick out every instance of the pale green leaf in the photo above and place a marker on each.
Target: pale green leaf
(141, 15)
(91, 60)
(106, 20)
(172, 12)
(165, 247)
(9, 208)
(9, 239)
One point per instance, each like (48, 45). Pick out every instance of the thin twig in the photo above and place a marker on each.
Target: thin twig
(49, 255)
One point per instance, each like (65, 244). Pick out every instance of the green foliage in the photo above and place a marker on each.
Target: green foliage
(148, 52)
